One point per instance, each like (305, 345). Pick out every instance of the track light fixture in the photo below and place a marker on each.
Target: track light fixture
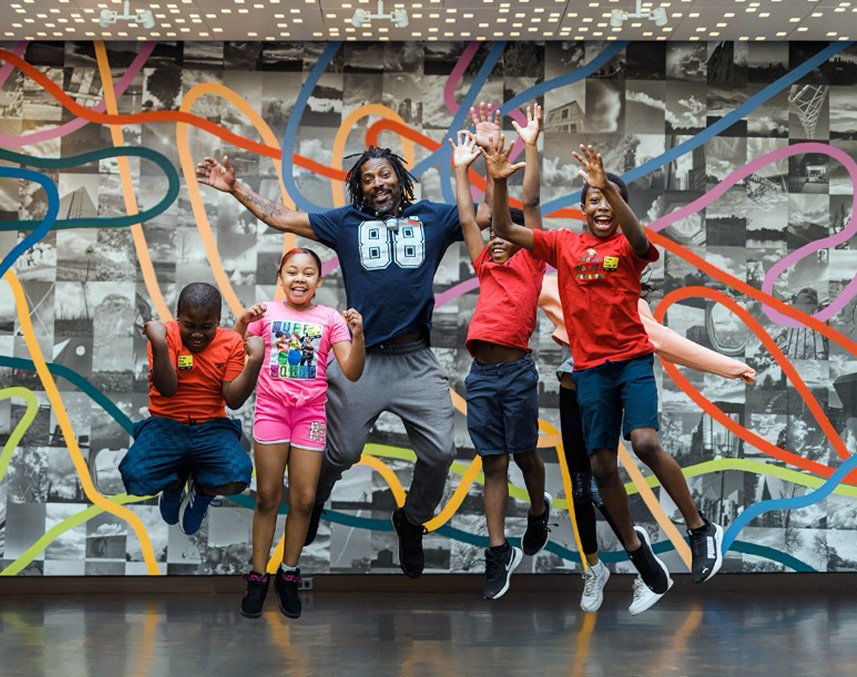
(141, 16)
(362, 17)
(619, 16)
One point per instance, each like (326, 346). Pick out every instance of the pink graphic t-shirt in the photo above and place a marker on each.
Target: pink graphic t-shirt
(296, 348)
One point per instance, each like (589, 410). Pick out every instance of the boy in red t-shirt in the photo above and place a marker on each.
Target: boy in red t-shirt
(195, 370)
(599, 284)
(502, 386)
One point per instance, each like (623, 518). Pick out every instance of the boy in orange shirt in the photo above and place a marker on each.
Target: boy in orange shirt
(195, 370)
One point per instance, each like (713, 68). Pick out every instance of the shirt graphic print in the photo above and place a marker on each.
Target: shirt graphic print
(294, 349)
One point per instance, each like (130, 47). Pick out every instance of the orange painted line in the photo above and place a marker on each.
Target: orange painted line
(654, 506)
(161, 116)
(341, 138)
(789, 370)
(68, 431)
(476, 179)
(198, 206)
(150, 278)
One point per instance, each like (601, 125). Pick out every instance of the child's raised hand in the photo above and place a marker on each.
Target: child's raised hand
(497, 160)
(155, 331)
(254, 346)
(530, 134)
(464, 152)
(218, 175)
(253, 313)
(486, 125)
(593, 167)
(354, 321)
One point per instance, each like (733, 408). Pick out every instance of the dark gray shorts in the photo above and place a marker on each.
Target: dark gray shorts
(503, 407)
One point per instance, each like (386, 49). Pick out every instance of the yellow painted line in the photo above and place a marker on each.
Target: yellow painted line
(68, 432)
(150, 278)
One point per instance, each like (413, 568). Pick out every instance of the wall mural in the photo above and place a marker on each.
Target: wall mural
(740, 158)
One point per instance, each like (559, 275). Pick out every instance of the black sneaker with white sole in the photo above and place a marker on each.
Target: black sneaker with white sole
(535, 538)
(706, 549)
(500, 562)
(412, 560)
(654, 578)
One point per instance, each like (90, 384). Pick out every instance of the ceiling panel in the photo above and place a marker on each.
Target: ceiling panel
(432, 19)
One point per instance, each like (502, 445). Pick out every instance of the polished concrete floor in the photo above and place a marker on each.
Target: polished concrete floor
(689, 633)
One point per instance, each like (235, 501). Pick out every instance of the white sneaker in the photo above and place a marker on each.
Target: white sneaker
(644, 598)
(593, 588)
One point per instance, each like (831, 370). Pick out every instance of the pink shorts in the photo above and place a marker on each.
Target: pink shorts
(304, 427)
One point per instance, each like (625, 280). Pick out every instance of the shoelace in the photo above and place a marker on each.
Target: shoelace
(639, 588)
(492, 566)
(590, 582)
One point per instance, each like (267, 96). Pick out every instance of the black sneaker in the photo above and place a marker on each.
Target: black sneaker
(500, 562)
(314, 519)
(286, 586)
(535, 538)
(254, 595)
(651, 569)
(706, 548)
(411, 557)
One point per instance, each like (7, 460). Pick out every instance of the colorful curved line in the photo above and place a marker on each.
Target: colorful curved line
(788, 369)
(79, 122)
(68, 432)
(44, 226)
(721, 125)
(21, 427)
(150, 278)
(60, 528)
(782, 264)
(197, 205)
(158, 116)
(6, 69)
(93, 156)
(794, 503)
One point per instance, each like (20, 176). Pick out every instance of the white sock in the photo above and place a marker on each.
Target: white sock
(596, 568)
(287, 569)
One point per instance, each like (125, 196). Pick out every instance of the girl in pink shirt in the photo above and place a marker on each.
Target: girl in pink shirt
(289, 425)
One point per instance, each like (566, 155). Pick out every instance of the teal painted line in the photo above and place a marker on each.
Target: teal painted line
(93, 156)
(78, 382)
(381, 524)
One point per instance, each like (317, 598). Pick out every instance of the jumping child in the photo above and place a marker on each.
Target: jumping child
(195, 370)
(599, 282)
(502, 386)
(289, 427)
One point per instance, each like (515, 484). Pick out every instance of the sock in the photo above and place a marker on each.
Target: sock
(500, 549)
(596, 568)
(286, 569)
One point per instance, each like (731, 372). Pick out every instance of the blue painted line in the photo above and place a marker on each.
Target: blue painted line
(753, 511)
(291, 131)
(44, 227)
(721, 125)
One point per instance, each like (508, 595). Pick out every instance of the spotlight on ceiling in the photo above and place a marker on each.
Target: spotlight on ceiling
(618, 16)
(362, 17)
(143, 17)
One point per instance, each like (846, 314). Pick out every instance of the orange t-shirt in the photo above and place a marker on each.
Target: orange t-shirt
(199, 396)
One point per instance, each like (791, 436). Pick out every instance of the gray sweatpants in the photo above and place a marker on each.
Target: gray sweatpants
(406, 380)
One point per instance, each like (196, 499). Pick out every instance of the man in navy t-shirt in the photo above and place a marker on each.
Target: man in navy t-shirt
(389, 249)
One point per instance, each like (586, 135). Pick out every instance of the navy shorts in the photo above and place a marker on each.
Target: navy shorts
(612, 389)
(503, 406)
(165, 452)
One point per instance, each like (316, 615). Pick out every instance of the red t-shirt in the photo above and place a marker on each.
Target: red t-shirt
(199, 396)
(599, 287)
(508, 295)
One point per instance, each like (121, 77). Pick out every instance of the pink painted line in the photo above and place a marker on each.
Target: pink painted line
(329, 266)
(6, 69)
(77, 123)
(452, 105)
(455, 291)
(780, 266)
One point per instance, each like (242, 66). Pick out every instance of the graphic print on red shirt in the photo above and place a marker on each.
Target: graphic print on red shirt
(599, 286)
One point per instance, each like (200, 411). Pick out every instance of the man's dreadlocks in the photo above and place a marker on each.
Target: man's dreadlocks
(352, 179)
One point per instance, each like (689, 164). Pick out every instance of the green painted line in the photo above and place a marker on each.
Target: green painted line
(20, 429)
(57, 530)
(93, 156)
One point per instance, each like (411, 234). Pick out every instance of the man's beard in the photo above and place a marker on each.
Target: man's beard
(390, 207)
